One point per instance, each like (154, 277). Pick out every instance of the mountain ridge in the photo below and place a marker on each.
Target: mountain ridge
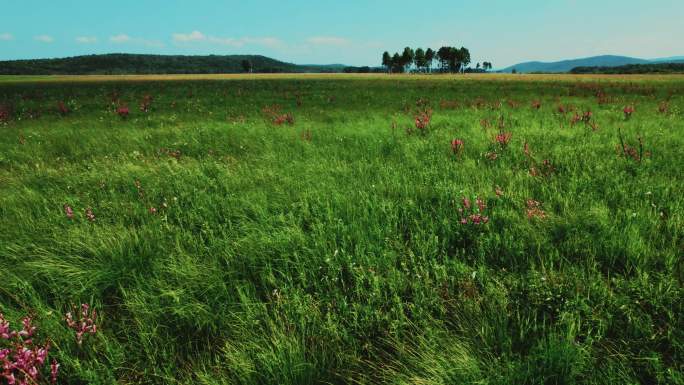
(123, 63)
(592, 61)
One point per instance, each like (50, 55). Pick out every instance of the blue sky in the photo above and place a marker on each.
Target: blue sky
(354, 32)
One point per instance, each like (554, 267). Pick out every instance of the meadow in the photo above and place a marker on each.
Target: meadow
(343, 229)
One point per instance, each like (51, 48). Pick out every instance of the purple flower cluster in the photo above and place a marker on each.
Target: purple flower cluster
(473, 214)
(20, 358)
(84, 323)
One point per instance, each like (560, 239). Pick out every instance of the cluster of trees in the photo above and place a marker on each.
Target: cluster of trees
(657, 68)
(449, 59)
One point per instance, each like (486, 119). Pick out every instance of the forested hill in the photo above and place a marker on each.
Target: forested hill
(116, 64)
(654, 68)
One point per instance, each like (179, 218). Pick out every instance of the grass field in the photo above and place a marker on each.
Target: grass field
(329, 230)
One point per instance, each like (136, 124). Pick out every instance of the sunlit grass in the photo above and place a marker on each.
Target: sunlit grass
(228, 249)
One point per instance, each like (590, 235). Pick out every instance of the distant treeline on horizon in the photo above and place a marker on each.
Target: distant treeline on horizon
(447, 60)
(655, 68)
(122, 64)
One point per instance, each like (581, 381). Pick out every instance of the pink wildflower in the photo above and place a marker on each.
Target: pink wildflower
(68, 211)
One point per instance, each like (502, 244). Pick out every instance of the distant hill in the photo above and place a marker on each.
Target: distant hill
(117, 64)
(651, 68)
(567, 65)
(672, 59)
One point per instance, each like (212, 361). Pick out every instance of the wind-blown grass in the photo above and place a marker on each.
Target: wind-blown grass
(228, 249)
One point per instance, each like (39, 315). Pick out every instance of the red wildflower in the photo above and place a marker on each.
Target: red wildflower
(481, 205)
(534, 210)
(478, 219)
(62, 108)
(503, 138)
(466, 203)
(54, 371)
(84, 323)
(89, 214)
(284, 118)
(68, 211)
(457, 146)
(21, 362)
(628, 111)
(587, 116)
(470, 215)
(575, 119)
(422, 120)
(122, 111)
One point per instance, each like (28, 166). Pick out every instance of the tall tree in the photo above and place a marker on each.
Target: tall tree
(419, 59)
(396, 63)
(454, 60)
(407, 57)
(429, 58)
(463, 58)
(387, 61)
(444, 55)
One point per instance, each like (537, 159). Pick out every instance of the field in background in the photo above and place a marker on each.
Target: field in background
(315, 229)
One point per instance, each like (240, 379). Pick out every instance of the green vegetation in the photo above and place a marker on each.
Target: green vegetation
(654, 68)
(118, 64)
(450, 59)
(357, 230)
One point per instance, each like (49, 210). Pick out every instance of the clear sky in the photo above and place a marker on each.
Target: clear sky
(353, 32)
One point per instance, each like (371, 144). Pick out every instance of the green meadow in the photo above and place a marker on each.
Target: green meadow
(330, 230)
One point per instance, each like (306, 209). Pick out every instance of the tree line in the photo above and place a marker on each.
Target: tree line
(448, 59)
(654, 68)
(116, 64)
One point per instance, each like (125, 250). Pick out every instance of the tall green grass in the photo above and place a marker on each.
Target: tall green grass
(275, 258)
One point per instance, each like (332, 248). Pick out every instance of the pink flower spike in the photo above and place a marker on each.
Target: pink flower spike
(68, 211)
(90, 215)
(54, 371)
(466, 203)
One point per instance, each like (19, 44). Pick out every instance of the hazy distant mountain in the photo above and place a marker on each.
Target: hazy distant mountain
(672, 59)
(567, 65)
(154, 64)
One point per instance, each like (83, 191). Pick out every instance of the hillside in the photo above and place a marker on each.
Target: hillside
(671, 59)
(651, 68)
(154, 64)
(567, 65)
